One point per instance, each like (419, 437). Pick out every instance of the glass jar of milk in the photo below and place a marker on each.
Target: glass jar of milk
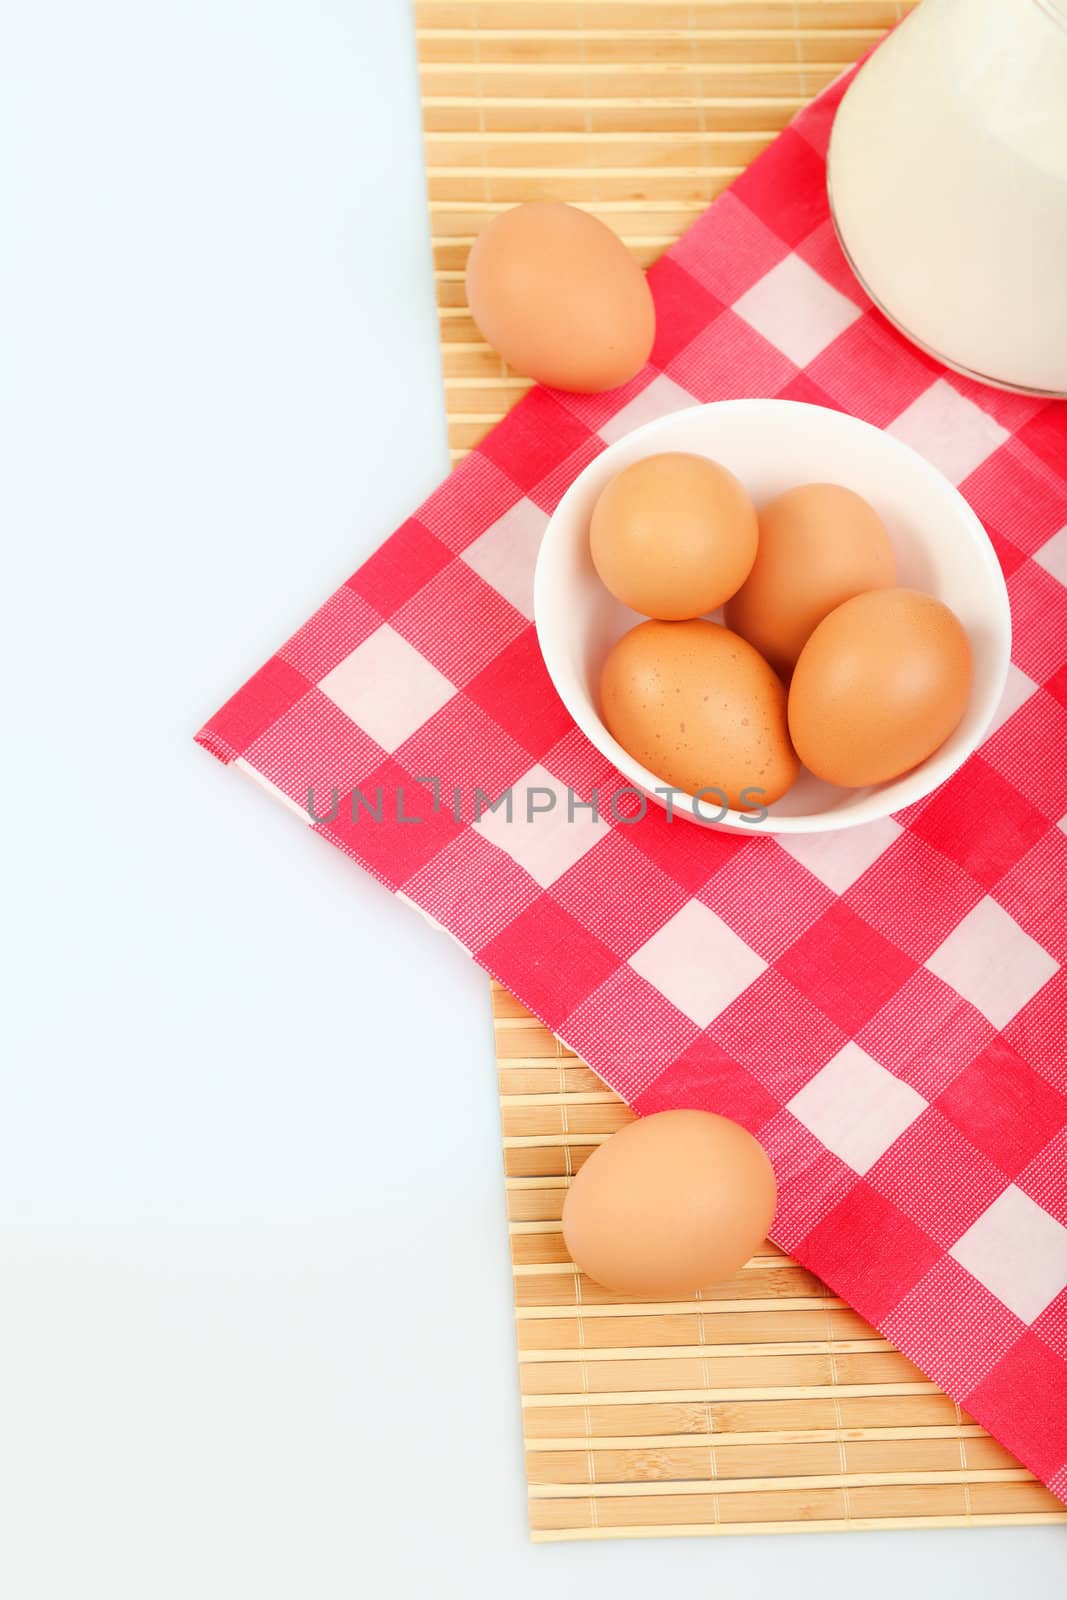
(948, 186)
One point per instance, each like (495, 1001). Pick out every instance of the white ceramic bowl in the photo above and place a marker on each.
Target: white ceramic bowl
(772, 445)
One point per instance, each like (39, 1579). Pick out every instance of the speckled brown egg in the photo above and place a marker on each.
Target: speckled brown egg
(819, 544)
(672, 1203)
(699, 707)
(879, 686)
(673, 535)
(559, 296)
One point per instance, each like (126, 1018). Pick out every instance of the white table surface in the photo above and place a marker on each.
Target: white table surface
(219, 389)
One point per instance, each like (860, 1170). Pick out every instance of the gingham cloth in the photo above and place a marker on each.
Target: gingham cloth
(885, 1007)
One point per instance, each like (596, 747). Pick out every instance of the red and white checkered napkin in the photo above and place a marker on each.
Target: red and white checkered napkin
(885, 1007)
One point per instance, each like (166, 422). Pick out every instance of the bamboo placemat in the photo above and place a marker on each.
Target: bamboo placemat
(765, 1405)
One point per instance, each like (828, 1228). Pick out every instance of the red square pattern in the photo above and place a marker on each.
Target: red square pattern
(1051, 1326)
(1017, 1403)
(840, 967)
(1034, 892)
(822, 253)
(466, 751)
(689, 854)
(845, 967)
(1012, 411)
(962, 1351)
(730, 360)
(704, 1078)
(593, 410)
(910, 814)
(410, 833)
(548, 959)
(1030, 753)
(548, 491)
(883, 896)
(814, 126)
(1045, 434)
(266, 696)
(1042, 1179)
(811, 1180)
(728, 250)
(314, 746)
(872, 1245)
(1018, 497)
(459, 622)
(1009, 555)
(1039, 620)
(469, 501)
(926, 1034)
(1056, 685)
(533, 438)
(400, 567)
(767, 924)
(574, 761)
(938, 1177)
(622, 896)
(808, 393)
(1004, 1108)
(684, 308)
(628, 1022)
(788, 194)
(332, 633)
(472, 889)
(518, 693)
(981, 821)
(1037, 1031)
(777, 1035)
(872, 371)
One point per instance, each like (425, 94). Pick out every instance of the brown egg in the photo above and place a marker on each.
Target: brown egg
(673, 535)
(559, 296)
(670, 1204)
(699, 707)
(880, 684)
(819, 545)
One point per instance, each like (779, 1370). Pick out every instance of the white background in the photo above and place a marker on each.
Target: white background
(238, 1163)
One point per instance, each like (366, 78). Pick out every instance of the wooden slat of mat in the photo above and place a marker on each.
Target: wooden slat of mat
(765, 1405)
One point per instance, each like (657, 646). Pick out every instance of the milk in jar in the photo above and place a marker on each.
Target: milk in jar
(947, 173)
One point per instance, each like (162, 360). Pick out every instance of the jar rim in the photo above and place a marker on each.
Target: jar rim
(1055, 9)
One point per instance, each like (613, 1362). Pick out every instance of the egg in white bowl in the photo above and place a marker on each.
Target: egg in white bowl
(940, 548)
